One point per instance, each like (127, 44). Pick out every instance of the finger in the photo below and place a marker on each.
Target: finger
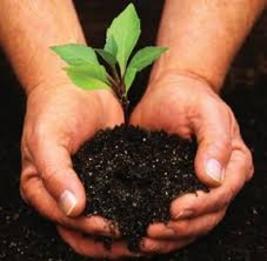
(36, 194)
(92, 248)
(186, 228)
(54, 163)
(213, 131)
(243, 154)
(193, 205)
(152, 246)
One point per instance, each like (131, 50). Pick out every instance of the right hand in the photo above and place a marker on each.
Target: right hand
(59, 119)
(186, 105)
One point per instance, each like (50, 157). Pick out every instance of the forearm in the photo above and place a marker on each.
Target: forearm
(204, 35)
(28, 28)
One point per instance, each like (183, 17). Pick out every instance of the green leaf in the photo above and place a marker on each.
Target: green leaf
(75, 54)
(95, 71)
(107, 57)
(111, 46)
(142, 59)
(146, 56)
(123, 35)
(90, 77)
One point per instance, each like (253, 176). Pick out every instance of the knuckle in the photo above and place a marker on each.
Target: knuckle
(24, 184)
(250, 164)
(38, 133)
(247, 159)
(213, 222)
(168, 247)
(250, 173)
(65, 222)
(27, 192)
(224, 144)
(34, 138)
(225, 199)
(95, 227)
(80, 250)
(39, 130)
(23, 194)
(181, 228)
(25, 149)
(230, 195)
(48, 175)
(232, 192)
(149, 246)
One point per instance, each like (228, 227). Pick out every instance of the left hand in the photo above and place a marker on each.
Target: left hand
(187, 106)
(59, 118)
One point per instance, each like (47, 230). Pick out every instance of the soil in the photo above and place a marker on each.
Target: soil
(242, 236)
(132, 175)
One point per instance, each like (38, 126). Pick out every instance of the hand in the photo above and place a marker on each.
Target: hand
(58, 120)
(187, 106)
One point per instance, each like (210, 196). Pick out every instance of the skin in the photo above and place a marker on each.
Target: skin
(182, 97)
(59, 117)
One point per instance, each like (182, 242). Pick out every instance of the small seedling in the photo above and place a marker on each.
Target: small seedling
(86, 72)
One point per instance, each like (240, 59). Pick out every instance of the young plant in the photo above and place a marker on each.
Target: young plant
(86, 72)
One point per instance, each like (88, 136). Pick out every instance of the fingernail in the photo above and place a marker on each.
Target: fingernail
(214, 170)
(187, 213)
(67, 202)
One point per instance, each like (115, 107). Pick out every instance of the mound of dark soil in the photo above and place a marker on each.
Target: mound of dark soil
(132, 175)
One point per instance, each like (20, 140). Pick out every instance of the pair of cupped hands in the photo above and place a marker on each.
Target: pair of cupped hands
(61, 117)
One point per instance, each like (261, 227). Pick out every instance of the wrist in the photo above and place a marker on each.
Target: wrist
(28, 49)
(204, 36)
(208, 70)
(174, 74)
(44, 69)
(46, 82)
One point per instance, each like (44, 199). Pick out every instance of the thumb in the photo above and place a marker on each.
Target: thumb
(55, 167)
(214, 147)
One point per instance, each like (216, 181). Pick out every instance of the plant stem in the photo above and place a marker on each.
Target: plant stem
(119, 89)
(125, 105)
(115, 86)
(112, 81)
(124, 101)
(115, 74)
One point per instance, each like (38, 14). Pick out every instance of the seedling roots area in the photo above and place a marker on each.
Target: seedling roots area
(132, 175)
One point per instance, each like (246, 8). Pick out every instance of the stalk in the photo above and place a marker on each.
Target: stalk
(123, 98)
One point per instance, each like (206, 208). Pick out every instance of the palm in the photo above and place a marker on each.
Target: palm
(72, 113)
(169, 108)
